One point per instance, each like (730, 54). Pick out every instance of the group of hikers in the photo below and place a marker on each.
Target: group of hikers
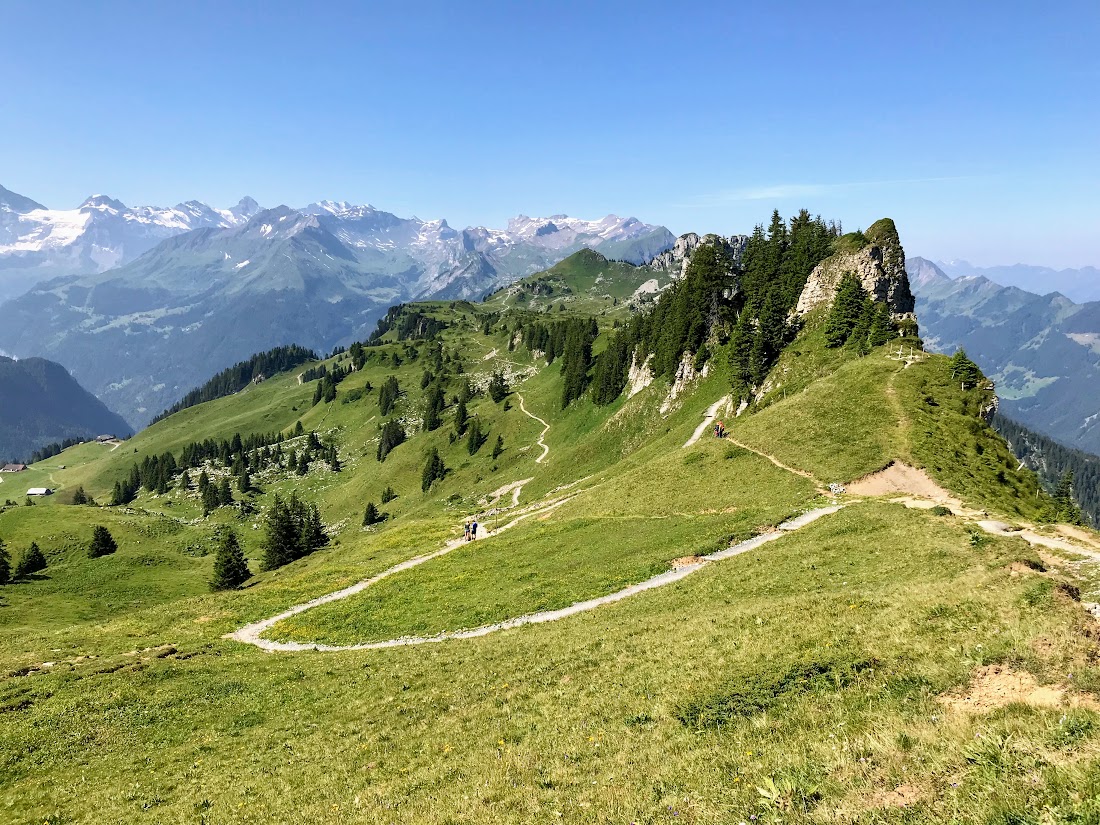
(471, 531)
(719, 429)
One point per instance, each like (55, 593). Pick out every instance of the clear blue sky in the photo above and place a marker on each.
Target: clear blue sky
(975, 125)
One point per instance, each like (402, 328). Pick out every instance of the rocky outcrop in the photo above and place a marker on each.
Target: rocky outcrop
(640, 375)
(676, 260)
(876, 258)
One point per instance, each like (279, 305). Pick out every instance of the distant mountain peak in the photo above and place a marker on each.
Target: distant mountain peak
(18, 203)
(102, 202)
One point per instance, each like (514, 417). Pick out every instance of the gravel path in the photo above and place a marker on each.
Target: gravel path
(545, 430)
(251, 634)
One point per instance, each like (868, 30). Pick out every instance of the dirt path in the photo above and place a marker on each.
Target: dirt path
(545, 430)
(251, 634)
(708, 419)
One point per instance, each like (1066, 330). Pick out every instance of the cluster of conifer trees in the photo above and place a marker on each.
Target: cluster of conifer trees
(408, 323)
(32, 561)
(1071, 475)
(237, 377)
(241, 456)
(746, 304)
(856, 320)
(571, 340)
(293, 529)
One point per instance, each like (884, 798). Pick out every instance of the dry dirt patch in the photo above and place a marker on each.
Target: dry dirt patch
(901, 478)
(997, 686)
(685, 561)
(900, 797)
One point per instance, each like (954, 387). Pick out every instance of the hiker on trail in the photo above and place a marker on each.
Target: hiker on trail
(717, 430)
(466, 531)
(721, 430)
(473, 531)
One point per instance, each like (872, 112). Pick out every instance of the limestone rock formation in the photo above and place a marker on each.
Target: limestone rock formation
(675, 260)
(876, 258)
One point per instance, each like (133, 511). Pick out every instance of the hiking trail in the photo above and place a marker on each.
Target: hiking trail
(251, 634)
(545, 430)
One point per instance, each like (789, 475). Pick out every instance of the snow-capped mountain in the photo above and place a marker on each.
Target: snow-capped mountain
(142, 334)
(37, 243)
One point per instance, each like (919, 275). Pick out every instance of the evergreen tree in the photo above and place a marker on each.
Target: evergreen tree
(461, 417)
(80, 497)
(103, 543)
(185, 482)
(317, 394)
(858, 337)
(434, 469)
(498, 387)
(204, 482)
(281, 539)
(230, 566)
(5, 564)
(303, 463)
(846, 311)
(225, 495)
(498, 447)
(392, 435)
(244, 481)
(387, 395)
(211, 499)
(964, 370)
(1066, 508)
(32, 561)
(433, 408)
(477, 437)
(882, 326)
(371, 515)
(388, 495)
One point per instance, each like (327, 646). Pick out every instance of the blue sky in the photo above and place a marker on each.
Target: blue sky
(976, 128)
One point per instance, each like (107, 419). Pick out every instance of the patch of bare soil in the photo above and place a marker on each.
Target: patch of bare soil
(1082, 535)
(997, 686)
(900, 797)
(901, 478)
(685, 561)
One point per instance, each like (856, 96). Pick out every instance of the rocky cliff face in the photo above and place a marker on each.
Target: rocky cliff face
(876, 258)
(675, 260)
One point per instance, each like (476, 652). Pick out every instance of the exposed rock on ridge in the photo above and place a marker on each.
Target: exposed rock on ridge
(676, 260)
(876, 258)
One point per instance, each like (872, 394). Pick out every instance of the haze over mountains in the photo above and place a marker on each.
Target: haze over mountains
(1043, 351)
(204, 287)
(1079, 285)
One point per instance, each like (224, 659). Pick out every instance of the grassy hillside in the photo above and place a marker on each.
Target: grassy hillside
(809, 679)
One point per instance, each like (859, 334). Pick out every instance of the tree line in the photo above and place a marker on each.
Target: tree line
(235, 378)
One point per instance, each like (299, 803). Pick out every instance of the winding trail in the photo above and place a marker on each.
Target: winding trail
(251, 634)
(545, 430)
(708, 420)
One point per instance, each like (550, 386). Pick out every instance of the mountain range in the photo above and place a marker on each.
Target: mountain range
(1078, 285)
(214, 286)
(43, 404)
(1043, 351)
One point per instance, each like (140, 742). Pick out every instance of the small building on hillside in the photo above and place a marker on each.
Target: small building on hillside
(13, 468)
(105, 438)
(39, 491)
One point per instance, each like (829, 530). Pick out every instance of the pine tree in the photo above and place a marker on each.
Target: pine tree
(211, 500)
(388, 495)
(80, 497)
(185, 482)
(461, 417)
(964, 370)
(498, 447)
(498, 387)
(476, 437)
(5, 564)
(845, 312)
(858, 337)
(317, 393)
(230, 566)
(432, 417)
(32, 561)
(281, 539)
(225, 495)
(371, 515)
(882, 326)
(103, 543)
(244, 481)
(303, 463)
(393, 434)
(434, 469)
(1066, 508)
(204, 482)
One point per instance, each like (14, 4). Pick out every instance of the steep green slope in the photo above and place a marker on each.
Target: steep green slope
(43, 404)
